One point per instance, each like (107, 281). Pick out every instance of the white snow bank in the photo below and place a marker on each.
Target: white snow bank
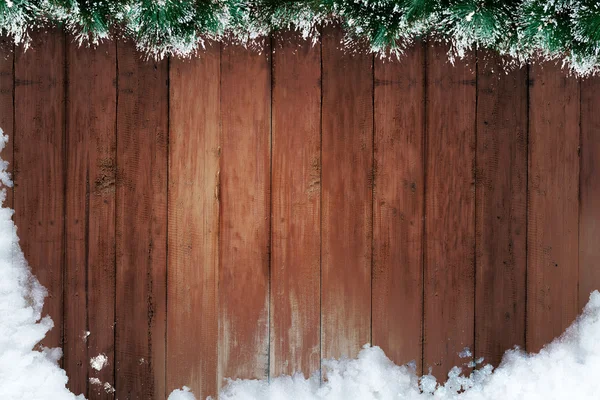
(568, 368)
(26, 372)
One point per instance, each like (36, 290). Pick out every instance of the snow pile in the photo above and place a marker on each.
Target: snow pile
(26, 372)
(183, 394)
(568, 368)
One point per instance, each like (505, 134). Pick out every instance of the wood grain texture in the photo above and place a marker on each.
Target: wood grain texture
(398, 206)
(501, 214)
(193, 252)
(245, 213)
(553, 204)
(7, 87)
(296, 231)
(450, 211)
(39, 161)
(347, 176)
(141, 225)
(90, 216)
(589, 207)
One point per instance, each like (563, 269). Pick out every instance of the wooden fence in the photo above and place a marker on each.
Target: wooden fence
(246, 213)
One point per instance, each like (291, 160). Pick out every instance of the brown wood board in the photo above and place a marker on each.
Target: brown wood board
(398, 206)
(141, 225)
(193, 251)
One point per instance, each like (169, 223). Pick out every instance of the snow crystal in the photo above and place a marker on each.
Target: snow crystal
(568, 368)
(26, 372)
(466, 353)
(95, 381)
(99, 362)
(108, 388)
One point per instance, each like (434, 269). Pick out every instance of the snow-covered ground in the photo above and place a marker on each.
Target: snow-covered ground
(568, 368)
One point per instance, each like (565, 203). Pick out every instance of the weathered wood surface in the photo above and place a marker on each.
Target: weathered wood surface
(244, 195)
(90, 217)
(589, 191)
(553, 205)
(347, 209)
(501, 209)
(7, 78)
(141, 226)
(246, 213)
(39, 166)
(296, 201)
(449, 269)
(398, 206)
(193, 251)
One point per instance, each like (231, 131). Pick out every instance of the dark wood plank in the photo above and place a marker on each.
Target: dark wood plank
(501, 209)
(90, 216)
(39, 160)
(7, 79)
(194, 151)
(347, 151)
(589, 207)
(450, 211)
(295, 241)
(141, 225)
(245, 211)
(553, 205)
(398, 206)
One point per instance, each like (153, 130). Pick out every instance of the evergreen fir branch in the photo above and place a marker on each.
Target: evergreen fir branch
(565, 30)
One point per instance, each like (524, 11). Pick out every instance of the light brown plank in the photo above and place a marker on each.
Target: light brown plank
(141, 225)
(194, 151)
(295, 241)
(501, 214)
(39, 160)
(553, 205)
(589, 208)
(347, 173)
(398, 206)
(450, 211)
(245, 212)
(90, 216)
(6, 107)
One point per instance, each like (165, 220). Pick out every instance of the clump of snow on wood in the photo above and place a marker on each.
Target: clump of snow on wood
(568, 368)
(26, 371)
(99, 362)
(182, 394)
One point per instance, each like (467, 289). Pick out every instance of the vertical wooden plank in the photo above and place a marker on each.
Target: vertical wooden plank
(398, 206)
(589, 207)
(450, 211)
(194, 150)
(245, 211)
(552, 243)
(141, 225)
(295, 241)
(90, 216)
(347, 152)
(6, 106)
(39, 158)
(501, 209)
